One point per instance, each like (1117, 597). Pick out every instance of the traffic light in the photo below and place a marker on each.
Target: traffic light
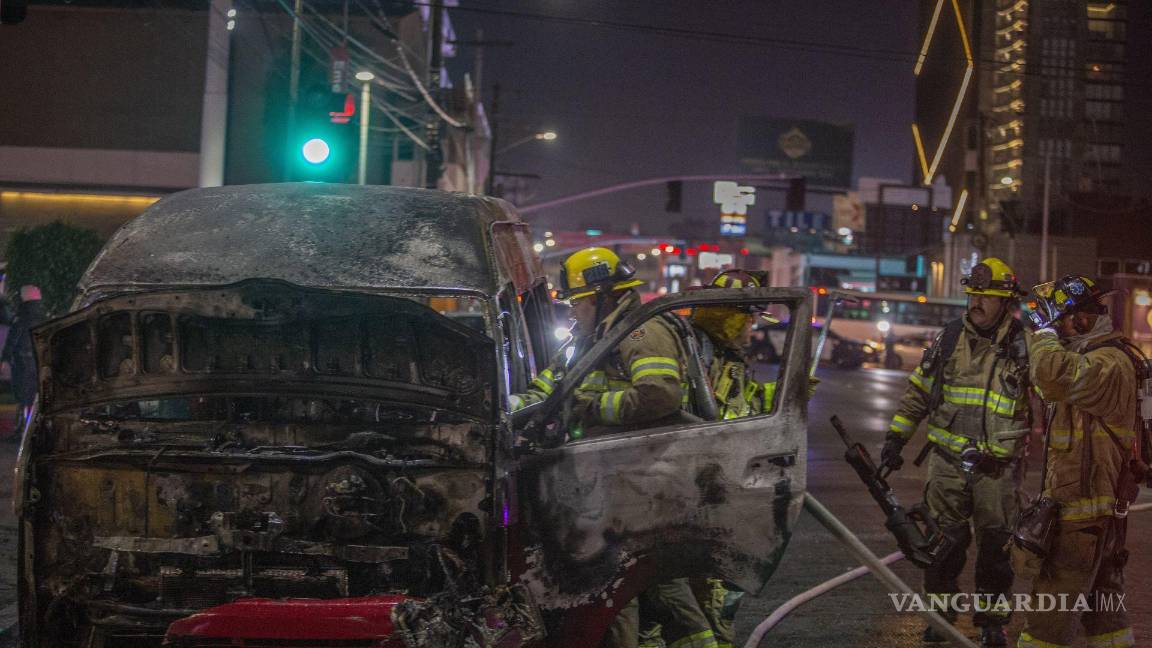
(675, 192)
(323, 144)
(794, 200)
(316, 151)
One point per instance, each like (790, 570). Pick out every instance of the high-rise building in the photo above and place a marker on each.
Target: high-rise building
(1057, 105)
(1016, 97)
(1006, 88)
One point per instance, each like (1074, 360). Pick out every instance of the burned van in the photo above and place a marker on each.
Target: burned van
(279, 415)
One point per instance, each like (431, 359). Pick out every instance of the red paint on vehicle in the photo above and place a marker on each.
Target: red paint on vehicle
(367, 618)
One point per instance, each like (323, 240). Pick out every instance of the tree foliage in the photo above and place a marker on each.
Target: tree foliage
(53, 257)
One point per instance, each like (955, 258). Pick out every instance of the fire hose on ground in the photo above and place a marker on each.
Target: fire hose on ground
(872, 563)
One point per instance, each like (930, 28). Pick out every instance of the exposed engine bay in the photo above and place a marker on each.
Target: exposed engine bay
(177, 529)
(244, 468)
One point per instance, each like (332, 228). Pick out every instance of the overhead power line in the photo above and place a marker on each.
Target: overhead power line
(880, 54)
(412, 76)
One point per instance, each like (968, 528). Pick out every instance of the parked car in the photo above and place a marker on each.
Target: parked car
(273, 417)
(839, 351)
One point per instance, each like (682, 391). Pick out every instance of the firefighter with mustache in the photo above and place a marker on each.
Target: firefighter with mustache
(972, 391)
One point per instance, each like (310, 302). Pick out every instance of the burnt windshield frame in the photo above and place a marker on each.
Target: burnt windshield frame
(154, 359)
(275, 409)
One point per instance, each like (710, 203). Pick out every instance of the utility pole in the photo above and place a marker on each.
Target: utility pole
(365, 117)
(293, 89)
(1044, 217)
(214, 117)
(490, 181)
(478, 79)
(435, 63)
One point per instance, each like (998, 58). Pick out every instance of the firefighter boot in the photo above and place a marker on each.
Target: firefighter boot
(940, 577)
(993, 581)
(933, 636)
(993, 636)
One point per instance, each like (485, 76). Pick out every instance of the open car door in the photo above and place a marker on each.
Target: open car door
(703, 498)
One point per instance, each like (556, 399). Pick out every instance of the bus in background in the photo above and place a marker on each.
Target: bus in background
(910, 320)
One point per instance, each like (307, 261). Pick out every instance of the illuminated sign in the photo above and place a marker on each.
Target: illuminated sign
(779, 218)
(734, 201)
(818, 151)
(714, 260)
(733, 225)
(732, 198)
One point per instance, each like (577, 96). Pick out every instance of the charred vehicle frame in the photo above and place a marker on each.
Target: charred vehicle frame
(258, 427)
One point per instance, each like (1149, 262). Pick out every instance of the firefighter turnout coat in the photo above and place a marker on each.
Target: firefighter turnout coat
(1090, 389)
(640, 382)
(737, 394)
(982, 398)
(1086, 391)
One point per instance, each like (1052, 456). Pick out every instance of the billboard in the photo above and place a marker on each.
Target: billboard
(818, 151)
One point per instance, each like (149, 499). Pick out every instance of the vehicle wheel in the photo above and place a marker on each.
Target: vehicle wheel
(893, 361)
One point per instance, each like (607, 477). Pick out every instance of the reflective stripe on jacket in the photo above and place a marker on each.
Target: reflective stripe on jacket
(642, 380)
(983, 399)
(1087, 390)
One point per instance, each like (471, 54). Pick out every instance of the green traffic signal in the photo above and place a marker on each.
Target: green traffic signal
(316, 151)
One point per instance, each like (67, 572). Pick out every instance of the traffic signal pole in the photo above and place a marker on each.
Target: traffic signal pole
(293, 89)
(651, 181)
(365, 114)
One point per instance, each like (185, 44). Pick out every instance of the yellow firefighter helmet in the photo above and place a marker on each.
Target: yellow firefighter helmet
(992, 277)
(593, 270)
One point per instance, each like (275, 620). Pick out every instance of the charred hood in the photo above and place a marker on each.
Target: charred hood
(308, 234)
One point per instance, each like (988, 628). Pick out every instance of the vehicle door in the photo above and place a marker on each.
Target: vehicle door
(695, 497)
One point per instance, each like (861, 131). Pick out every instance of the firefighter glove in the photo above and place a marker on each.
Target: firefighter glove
(890, 455)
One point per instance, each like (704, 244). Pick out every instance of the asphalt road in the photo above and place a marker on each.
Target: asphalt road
(860, 614)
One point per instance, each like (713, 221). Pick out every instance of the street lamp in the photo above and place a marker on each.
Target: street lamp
(546, 136)
(365, 77)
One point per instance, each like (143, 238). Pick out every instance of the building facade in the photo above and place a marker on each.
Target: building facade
(140, 96)
(1024, 107)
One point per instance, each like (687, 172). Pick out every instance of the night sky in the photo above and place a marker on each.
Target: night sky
(631, 103)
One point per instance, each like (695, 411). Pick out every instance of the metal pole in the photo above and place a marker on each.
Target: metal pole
(365, 116)
(293, 88)
(881, 571)
(1044, 217)
(635, 184)
(823, 332)
(435, 62)
(478, 66)
(214, 117)
(490, 181)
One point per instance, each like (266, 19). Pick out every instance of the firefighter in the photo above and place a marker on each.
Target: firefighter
(640, 384)
(724, 334)
(1088, 375)
(972, 389)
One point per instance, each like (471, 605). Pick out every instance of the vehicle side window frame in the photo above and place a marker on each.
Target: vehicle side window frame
(540, 321)
(800, 307)
(514, 343)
